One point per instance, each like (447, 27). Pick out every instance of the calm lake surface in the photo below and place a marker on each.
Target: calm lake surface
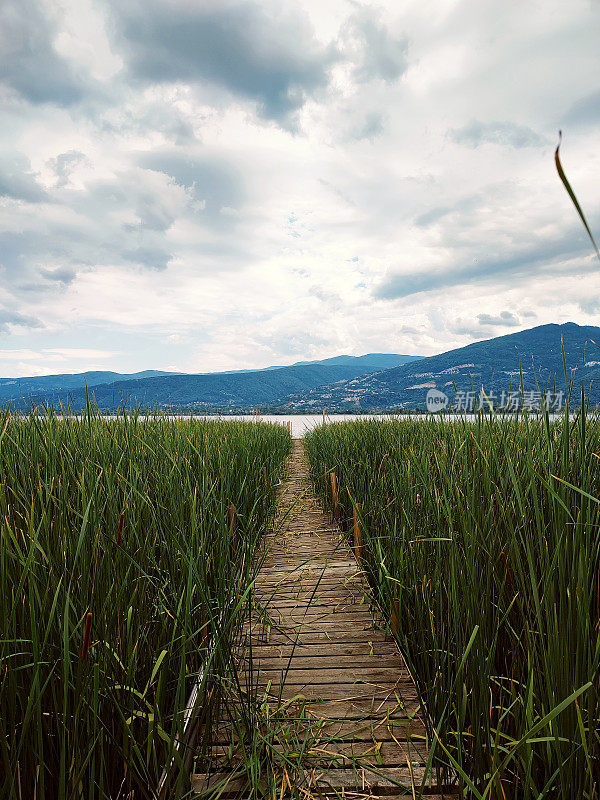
(301, 423)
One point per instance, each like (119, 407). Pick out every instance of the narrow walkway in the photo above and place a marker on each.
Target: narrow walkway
(336, 687)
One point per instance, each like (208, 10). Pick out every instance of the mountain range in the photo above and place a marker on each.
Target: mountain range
(531, 360)
(219, 391)
(498, 366)
(16, 388)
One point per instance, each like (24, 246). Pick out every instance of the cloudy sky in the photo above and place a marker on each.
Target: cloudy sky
(215, 184)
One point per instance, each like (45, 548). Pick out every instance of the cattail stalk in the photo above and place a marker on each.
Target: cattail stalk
(87, 635)
(120, 530)
(507, 569)
(395, 616)
(358, 537)
(334, 493)
(232, 528)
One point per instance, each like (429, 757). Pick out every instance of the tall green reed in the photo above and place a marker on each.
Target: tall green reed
(485, 535)
(117, 559)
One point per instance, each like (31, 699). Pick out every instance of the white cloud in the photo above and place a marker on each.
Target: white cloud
(361, 177)
(59, 353)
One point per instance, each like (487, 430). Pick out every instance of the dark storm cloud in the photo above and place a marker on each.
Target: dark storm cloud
(17, 181)
(269, 57)
(527, 262)
(29, 64)
(504, 133)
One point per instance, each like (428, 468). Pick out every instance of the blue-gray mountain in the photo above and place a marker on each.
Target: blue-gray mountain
(497, 365)
(346, 383)
(371, 362)
(225, 391)
(17, 388)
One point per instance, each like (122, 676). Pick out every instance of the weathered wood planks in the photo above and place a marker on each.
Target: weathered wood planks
(317, 652)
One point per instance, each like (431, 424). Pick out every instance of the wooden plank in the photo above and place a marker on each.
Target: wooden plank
(307, 582)
(316, 602)
(373, 778)
(374, 675)
(349, 692)
(376, 779)
(301, 618)
(352, 586)
(333, 568)
(264, 658)
(326, 600)
(348, 634)
(332, 599)
(335, 681)
(341, 644)
(306, 589)
(339, 753)
(325, 663)
(359, 613)
(352, 627)
(368, 729)
(360, 709)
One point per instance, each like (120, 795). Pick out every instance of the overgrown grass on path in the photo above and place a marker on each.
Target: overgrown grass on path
(484, 538)
(116, 560)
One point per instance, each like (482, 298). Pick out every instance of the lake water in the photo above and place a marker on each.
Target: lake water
(301, 423)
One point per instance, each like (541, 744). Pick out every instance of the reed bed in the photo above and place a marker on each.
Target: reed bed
(125, 548)
(481, 540)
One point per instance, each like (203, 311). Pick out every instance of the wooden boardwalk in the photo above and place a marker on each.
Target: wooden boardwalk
(337, 689)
